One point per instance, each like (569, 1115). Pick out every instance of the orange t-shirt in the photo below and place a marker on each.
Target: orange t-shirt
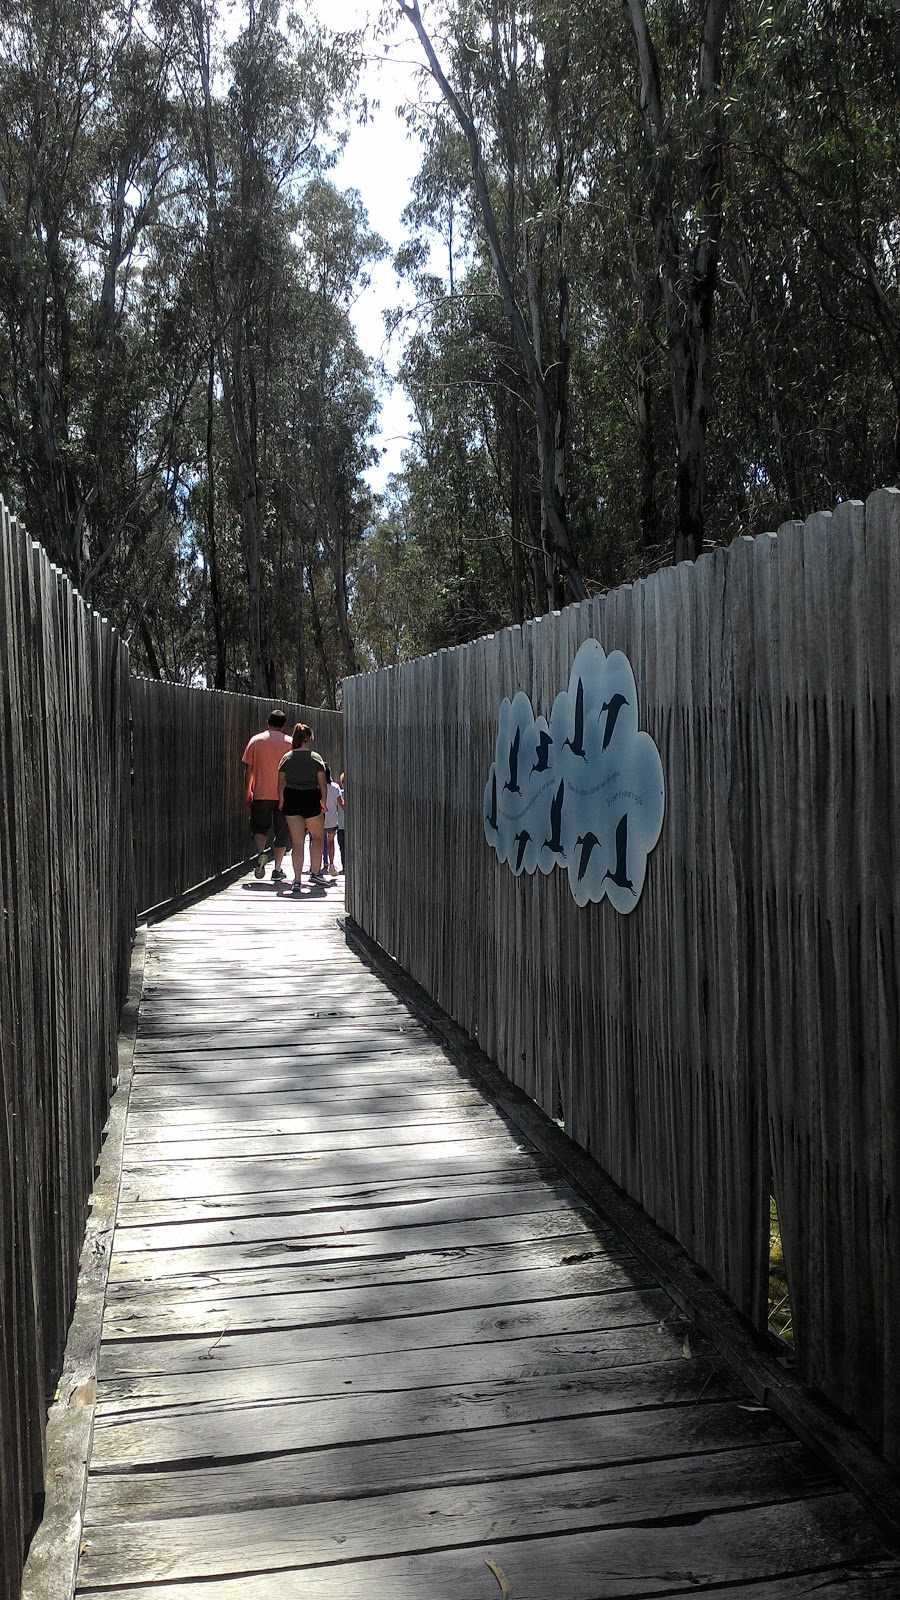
(262, 755)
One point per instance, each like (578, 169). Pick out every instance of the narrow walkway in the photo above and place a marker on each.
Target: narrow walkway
(361, 1344)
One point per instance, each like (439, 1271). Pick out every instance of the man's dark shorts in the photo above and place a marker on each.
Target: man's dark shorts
(264, 815)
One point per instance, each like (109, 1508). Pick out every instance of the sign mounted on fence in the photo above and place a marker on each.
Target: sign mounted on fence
(583, 791)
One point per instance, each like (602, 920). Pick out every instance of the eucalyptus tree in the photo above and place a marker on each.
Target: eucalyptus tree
(503, 70)
(258, 114)
(92, 391)
(681, 95)
(816, 253)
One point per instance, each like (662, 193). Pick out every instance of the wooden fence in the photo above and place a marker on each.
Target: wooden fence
(190, 821)
(78, 735)
(65, 931)
(736, 1035)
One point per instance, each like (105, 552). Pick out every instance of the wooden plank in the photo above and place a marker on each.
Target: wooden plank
(383, 1193)
(492, 1361)
(482, 1129)
(350, 1247)
(331, 1218)
(269, 1173)
(217, 1544)
(335, 1302)
(213, 1433)
(310, 1473)
(417, 1267)
(579, 1314)
(765, 1545)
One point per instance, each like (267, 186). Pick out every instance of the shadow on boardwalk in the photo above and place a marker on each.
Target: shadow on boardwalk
(361, 1341)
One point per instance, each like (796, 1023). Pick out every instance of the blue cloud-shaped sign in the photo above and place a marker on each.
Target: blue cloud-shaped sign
(583, 791)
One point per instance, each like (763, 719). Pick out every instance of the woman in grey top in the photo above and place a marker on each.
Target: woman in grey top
(301, 796)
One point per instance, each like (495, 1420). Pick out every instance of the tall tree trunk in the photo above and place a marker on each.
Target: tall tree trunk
(515, 501)
(153, 665)
(689, 285)
(301, 633)
(318, 636)
(564, 570)
(215, 596)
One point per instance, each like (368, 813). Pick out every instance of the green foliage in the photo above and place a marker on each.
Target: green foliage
(802, 400)
(184, 411)
(186, 419)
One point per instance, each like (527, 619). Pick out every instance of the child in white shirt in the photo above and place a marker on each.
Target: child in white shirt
(332, 821)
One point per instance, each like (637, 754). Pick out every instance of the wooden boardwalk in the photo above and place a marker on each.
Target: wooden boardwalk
(362, 1344)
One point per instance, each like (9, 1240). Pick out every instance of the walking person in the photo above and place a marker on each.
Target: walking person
(332, 822)
(342, 806)
(302, 796)
(261, 758)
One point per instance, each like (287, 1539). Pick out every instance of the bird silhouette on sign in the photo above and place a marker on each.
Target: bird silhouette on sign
(620, 877)
(544, 743)
(554, 842)
(576, 743)
(521, 840)
(492, 814)
(588, 841)
(612, 709)
(513, 784)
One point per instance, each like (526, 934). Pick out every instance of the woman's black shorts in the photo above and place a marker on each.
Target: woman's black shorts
(306, 803)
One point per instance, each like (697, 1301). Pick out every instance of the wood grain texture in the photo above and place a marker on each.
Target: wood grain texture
(335, 1365)
(737, 1035)
(65, 933)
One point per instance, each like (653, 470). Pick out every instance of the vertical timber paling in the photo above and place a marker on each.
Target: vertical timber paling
(737, 1034)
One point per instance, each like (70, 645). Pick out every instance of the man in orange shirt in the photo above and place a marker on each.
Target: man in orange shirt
(261, 758)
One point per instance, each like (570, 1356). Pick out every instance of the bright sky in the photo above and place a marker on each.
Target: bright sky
(380, 160)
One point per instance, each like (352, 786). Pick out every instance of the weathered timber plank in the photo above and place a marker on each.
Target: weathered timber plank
(768, 1543)
(347, 1246)
(140, 1182)
(384, 1193)
(171, 1106)
(154, 1130)
(244, 1146)
(480, 1455)
(580, 1314)
(497, 1260)
(213, 1545)
(494, 1361)
(222, 1431)
(281, 1225)
(334, 1302)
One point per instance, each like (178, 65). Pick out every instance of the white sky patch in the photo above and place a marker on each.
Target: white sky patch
(381, 160)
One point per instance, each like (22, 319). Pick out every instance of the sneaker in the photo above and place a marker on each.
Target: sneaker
(278, 875)
(332, 872)
(319, 879)
(296, 886)
(259, 871)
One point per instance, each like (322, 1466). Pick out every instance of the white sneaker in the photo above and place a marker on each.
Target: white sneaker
(259, 871)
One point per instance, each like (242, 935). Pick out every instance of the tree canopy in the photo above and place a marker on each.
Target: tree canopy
(650, 299)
